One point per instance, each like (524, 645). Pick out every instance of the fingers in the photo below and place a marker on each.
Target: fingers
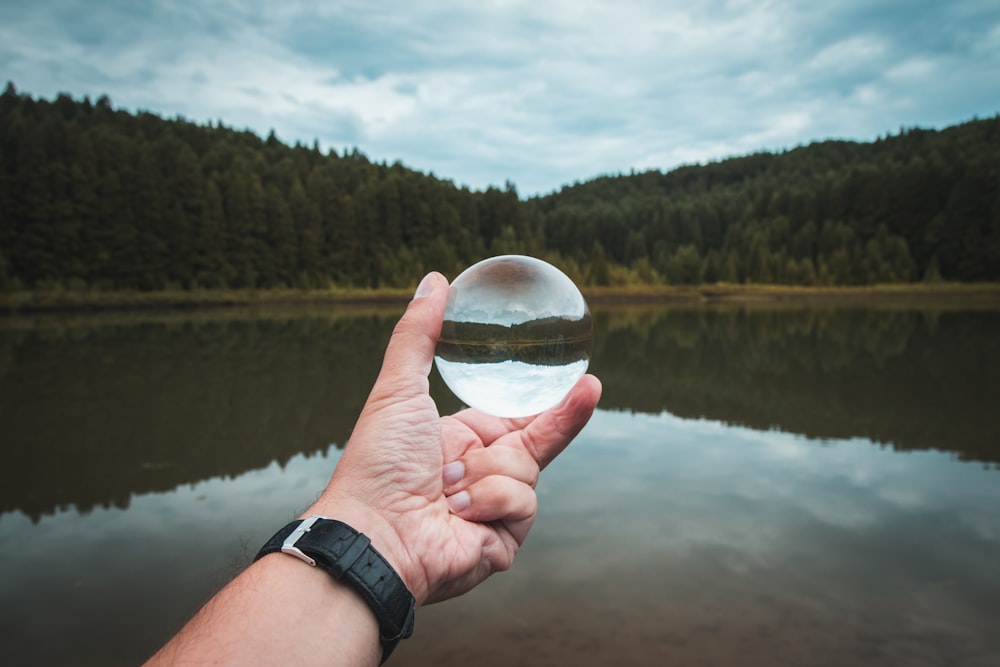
(456, 439)
(498, 498)
(550, 432)
(545, 435)
(483, 462)
(494, 484)
(410, 352)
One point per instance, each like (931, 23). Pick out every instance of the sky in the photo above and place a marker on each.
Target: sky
(538, 93)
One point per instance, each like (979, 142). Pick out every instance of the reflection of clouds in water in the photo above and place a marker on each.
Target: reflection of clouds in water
(702, 482)
(242, 501)
(829, 543)
(171, 548)
(833, 542)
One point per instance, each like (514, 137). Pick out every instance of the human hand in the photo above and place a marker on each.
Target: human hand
(447, 501)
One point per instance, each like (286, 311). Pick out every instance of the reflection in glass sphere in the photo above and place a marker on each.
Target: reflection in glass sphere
(516, 337)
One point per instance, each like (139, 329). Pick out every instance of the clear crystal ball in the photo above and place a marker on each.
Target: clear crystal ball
(516, 337)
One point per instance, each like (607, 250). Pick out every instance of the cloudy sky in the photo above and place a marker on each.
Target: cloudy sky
(541, 93)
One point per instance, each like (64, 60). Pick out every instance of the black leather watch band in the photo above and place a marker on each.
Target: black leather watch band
(349, 557)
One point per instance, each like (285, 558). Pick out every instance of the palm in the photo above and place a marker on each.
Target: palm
(469, 551)
(452, 554)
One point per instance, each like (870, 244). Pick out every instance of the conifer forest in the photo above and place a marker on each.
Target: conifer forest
(98, 198)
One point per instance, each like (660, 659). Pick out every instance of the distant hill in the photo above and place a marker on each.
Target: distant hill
(922, 204)
(97, 198)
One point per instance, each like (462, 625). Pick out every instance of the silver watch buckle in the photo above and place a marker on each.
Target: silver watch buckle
(288, 546)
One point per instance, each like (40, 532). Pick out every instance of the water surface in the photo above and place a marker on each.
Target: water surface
(760, 486)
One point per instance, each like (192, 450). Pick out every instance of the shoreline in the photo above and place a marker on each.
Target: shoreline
(24, 303)
(915, 293)
(13, 304)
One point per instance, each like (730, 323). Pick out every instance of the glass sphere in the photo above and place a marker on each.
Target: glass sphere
(516, 337)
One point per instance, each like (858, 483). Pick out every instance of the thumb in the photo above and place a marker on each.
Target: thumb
(410, 353)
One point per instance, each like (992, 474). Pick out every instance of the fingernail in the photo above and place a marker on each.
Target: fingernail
(453, 472)
(459, 501)
(426, 286)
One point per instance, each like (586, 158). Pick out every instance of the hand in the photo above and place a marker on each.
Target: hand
(447, 501)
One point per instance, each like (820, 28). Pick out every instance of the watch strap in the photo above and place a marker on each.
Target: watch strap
(349, 556)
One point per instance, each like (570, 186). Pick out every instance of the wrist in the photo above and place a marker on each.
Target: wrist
(348, 556)
(383, 535)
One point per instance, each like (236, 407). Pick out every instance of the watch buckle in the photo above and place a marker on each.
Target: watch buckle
(288, 546)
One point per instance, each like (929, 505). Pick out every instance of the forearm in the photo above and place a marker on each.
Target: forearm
(278, 611)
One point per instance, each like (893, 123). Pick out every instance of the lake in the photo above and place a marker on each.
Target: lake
(761, 485)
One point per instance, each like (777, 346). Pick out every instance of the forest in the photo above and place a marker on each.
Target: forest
(98, 198)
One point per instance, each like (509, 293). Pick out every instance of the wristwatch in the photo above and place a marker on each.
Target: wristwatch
(349, 557)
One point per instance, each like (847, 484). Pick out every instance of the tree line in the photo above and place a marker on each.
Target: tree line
(93, 197)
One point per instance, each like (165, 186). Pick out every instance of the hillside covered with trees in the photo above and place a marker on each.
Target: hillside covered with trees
(93, 197)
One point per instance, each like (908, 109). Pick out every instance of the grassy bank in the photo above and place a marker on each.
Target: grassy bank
(988, 293)
(65, 301)
(12, 303)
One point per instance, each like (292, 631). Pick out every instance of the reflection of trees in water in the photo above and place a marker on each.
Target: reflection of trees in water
(911, 379)
(93, 413)
(97, 411)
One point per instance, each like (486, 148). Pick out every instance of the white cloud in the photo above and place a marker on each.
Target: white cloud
(539, 93)
(854, 52)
